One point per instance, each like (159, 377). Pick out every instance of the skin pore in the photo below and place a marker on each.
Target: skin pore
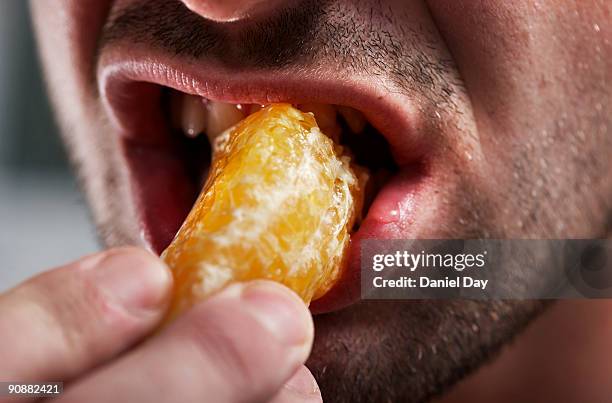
(512, 98)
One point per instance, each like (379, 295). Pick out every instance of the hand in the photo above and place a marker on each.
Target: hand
(84, 323)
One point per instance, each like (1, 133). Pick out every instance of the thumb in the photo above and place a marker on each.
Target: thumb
(253, 337)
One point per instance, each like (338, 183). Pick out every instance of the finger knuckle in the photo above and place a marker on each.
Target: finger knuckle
(72, 304)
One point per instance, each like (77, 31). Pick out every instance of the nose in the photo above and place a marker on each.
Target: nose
(232, 10)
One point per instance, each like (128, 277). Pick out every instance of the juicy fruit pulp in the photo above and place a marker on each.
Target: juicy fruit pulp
(279, 204)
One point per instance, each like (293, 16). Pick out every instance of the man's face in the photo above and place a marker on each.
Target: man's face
(497, 115)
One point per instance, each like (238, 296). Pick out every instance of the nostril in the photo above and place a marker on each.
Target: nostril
(233, 10)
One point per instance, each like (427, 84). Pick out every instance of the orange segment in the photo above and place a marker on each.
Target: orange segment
(279, 203)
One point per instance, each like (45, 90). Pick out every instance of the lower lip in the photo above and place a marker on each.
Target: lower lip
(164, 202)
(389, 217)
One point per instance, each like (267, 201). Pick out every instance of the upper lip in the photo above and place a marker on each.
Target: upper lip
(130, 81)
(120, 73)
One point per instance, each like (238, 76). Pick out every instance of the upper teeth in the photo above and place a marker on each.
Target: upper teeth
(326, 116)
(221, 116)
(353, 118)
(195, 115)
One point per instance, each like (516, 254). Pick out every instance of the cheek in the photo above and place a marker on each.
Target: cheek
(535, 76)
(523, 62)
(494, 45)
(68, 33)
(489, 42)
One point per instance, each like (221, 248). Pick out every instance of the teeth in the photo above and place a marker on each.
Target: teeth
(325, 114)
(176, 109)
(221, 116)
(193, 116)
(353, 118)
(254, 108)
(326, 119)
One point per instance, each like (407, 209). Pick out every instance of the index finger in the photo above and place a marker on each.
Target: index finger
(66, 321)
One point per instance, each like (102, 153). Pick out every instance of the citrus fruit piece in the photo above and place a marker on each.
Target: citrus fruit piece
(279, 204)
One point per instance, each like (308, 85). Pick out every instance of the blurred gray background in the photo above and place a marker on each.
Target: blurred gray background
(43, 219)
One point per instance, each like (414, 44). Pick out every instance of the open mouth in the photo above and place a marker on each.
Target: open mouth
(196, 122)
(167, 123)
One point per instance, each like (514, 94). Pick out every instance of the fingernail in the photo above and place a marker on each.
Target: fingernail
(302, 383)
(281, 311)
(134, 279)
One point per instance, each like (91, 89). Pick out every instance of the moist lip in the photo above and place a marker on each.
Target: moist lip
(130, 78)
(181, 161)
(367, 148)
(163, 183)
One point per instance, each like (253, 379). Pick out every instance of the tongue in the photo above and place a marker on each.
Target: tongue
(164, 200)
